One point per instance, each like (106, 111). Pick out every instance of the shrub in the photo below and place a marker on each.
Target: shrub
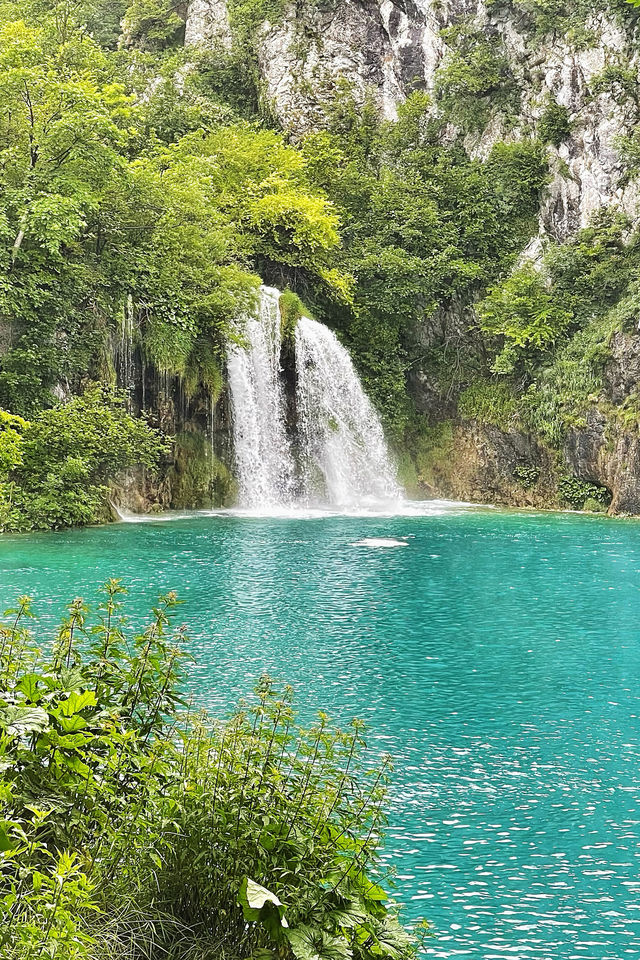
(526, 475)
(67, 456)
(475, 79)
(578, 492)
(554, 126)
(524, 312)
(592, 271)
(130, 827)
(489, 402)
(291, 309)
(152, 24)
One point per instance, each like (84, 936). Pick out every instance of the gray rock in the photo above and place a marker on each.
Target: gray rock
(388, 48)
(207, 24)
(622, 372)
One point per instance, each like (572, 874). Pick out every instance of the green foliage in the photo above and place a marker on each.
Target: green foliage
(566, 18)
(143, 189)
(593, 270)
(557, 324)
(247, 16)
(291, 309)
(526, 475)
(523, 312)
(568, 384)
(131, 828)
(617, 79)
(628, 148)
(490, 402)
(424, 226)
(152, 24)
(197, 478)
(475, 80)
(554, 126)
(11, 441)
(578, 492)
(430, 447)
(59, 464)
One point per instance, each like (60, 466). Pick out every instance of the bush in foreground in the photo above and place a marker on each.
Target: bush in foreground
(131, 827)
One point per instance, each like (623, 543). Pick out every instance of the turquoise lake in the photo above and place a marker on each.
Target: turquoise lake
(496, 656)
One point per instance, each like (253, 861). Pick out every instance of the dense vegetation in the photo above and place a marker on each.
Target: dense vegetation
(133, 827)
(131, 200)
(145, 190)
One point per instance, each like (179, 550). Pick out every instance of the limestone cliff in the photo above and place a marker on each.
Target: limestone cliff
(389, 49)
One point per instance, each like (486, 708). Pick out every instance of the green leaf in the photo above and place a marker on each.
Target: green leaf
(29, 687)
(313, 943)
(77, 702)
(255, 901)
(72, 724)
(5, 840)
(17, 721)
(374, 892)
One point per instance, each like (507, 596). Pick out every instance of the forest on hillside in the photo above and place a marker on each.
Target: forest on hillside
(146, 187)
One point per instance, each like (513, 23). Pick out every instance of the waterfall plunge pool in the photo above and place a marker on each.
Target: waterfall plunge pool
(495, 656)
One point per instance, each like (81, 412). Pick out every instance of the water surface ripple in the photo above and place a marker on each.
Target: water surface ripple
(496, 656)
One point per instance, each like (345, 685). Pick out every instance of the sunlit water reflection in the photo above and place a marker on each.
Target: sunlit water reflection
(496, 656)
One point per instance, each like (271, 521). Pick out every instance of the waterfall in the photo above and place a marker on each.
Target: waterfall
(264, 461)
(124, 351)
(342, 446)
(341, 458)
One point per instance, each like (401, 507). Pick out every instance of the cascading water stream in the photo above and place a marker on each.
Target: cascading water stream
(343, 453)
(264, 461)
(341, 456)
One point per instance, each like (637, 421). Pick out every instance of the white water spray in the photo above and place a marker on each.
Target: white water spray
(343, 452)
(341, 456)
(263, 454)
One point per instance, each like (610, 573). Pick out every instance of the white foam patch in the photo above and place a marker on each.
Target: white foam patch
(379, 542)
(407, 508)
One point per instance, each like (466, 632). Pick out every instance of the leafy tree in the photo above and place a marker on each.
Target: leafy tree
(475, 78)
(152, 24)
(524, 313)
(56, 467)
(423, 226)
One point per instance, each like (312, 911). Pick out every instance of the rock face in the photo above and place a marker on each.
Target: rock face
(589, 173)
(303, 60)
(489, 465)
(207, 23)
(388, 48)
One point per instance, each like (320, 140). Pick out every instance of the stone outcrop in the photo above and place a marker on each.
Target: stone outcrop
(388, 48)
(488, 465)
(207, 23)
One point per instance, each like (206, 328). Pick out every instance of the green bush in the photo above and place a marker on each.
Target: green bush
(524, 313)
(565, 18)
(578, 492)
(593, 270)
(554, 126)
(291, 309)
(152, 24)
(489, 402)
(66, 456)
(526, 475)
(475, 79)
(131, 828)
